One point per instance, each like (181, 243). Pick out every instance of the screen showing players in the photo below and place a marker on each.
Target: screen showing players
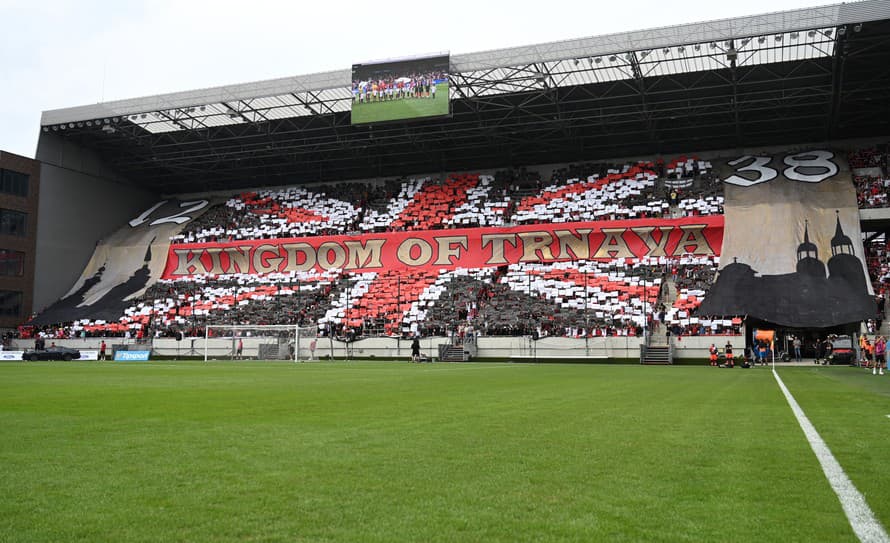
(394, 90)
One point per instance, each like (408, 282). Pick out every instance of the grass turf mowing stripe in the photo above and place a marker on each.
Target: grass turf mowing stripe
(860, 515)
(375, 452)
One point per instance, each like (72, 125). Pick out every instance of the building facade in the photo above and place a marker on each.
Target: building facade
(19, 196)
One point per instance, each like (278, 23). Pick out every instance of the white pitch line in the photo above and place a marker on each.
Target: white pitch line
(863, 521)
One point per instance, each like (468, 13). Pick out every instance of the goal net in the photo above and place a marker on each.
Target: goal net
(260, 342)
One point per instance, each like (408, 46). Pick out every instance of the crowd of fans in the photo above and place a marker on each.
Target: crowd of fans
(870, 170)
(575, 299)
(572, 299)
(587, 192)
(877, 253)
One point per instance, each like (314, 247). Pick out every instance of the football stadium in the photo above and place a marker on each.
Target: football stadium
(628, 287)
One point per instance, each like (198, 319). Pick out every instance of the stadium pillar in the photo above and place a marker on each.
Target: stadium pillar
(398, 313)
(645, 307)
(528, 276)
(533, 329)
(586, 318)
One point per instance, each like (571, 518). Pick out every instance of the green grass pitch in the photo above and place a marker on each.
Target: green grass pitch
(375, 112)
(388, 451)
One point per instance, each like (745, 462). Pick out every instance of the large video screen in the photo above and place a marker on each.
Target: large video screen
(393, 90)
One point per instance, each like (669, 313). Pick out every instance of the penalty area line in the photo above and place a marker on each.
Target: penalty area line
(862, 519)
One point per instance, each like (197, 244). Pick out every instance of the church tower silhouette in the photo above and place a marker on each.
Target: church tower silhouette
(808, 262)
(844, 265)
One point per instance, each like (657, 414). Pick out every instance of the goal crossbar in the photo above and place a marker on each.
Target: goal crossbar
(227, 339)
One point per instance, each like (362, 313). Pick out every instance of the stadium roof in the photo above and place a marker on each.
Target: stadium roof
(815, 73)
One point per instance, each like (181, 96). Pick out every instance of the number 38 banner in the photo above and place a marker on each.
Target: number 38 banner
(792, 247)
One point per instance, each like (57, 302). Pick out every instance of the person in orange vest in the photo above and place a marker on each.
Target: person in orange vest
(880, 355)
(868, 353)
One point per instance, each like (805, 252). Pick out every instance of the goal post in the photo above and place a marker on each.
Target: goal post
(259, 342)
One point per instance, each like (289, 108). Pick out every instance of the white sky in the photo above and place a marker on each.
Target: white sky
(56, 54)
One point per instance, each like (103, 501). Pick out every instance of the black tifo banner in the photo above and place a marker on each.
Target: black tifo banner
(792, 247)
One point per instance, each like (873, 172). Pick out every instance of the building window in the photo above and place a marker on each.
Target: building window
(10, 303)
(14, 183)
(12, 262)
(12, 223)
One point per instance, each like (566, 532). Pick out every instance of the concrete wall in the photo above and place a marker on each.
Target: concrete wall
(490, 348)
(81, 201)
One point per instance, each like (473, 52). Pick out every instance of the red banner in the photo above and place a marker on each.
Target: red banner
(448, 249)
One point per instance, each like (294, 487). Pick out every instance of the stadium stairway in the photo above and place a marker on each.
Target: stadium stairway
(453, 353)
(658, 348)
(654, 355)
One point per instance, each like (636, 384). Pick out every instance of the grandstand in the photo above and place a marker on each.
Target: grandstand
(260, 203)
